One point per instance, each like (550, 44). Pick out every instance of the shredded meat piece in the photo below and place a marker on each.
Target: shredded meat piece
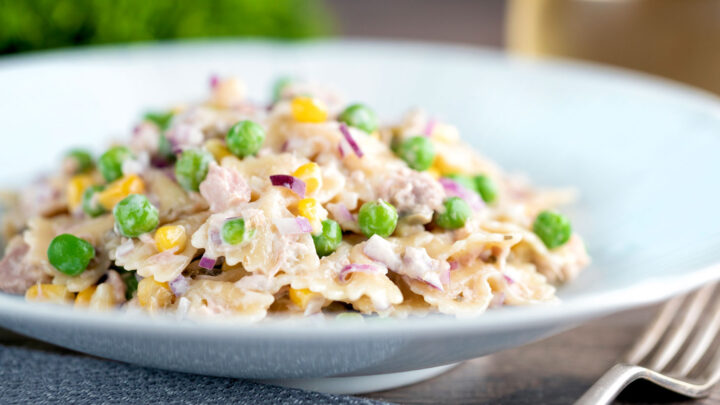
(224, 188)
(413, 194)
(45, 197)
(16, 274)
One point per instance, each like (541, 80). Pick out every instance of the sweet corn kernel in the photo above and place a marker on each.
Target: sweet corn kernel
(308, 109)
(434, 172)
(84, 296)
(102, 298)
(154, 295)
(313, 211)
(444, 166)
(310, 174)
(55, 293)
(75, 189)
(170, 236)
(218, 149)
(302, 296)
(119, 189)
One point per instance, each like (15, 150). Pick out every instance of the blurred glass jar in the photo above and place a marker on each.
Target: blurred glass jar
(678, 39)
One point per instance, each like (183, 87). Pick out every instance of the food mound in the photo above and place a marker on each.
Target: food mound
(309, 206)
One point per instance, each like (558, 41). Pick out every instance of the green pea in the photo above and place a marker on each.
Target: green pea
(278, 87)
(552, 228)
(110, 163)
(135, 215)
(162, 120)
(234, 231)
(485, 187)
(359, 116)
(456, 212)
(245, 138)
(81, 160)
(69, 254)
(377, 218)
(192, 168)
(417, 151)
(463, 180)
(131, 284)
(90, 204)
(328, 239)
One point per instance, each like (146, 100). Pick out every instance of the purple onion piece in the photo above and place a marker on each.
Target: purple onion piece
(429, 127)
(508, 279)
(453, 189)
(179, 285)
(207, 263)
(214, 81)
(350, 140)
(357, 267)
(290, 182)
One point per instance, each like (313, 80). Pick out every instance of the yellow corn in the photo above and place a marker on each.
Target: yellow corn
(154, 295)
(443, 166)
(75, 189)
(308, 109)
(302, 296)
(84, 296)
(102, 298)
(170, 236)
(55, 293)
(434, 172)
(119, 189)
(311, 209)
(310, 174)
(218, 149)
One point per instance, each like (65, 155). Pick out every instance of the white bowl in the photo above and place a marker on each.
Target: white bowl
(642, 152)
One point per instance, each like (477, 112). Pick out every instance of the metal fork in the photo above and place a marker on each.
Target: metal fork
(675, 351)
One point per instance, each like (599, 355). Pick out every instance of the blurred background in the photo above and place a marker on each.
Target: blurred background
(677, 39)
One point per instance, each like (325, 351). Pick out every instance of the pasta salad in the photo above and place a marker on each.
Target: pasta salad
(230, 208)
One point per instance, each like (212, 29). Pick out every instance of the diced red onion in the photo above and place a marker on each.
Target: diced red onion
(508, 279)
(497, 300)
(179, 285)
(207, 263)
(293, 226)
(381, 250)
(341, 150)
(358, 267)
(453, 189)
(124, 248)
(290, 182)
(214, 81)
(343, 213)
(453, 264)
(445, 275)
(429, 127)
(284, 147)
(350, 140)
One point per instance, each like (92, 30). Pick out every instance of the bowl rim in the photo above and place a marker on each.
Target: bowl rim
(581, 307)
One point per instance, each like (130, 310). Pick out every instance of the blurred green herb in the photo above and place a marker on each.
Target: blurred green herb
(27, 25)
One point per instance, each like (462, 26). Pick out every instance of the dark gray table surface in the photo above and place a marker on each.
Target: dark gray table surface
(554, 371)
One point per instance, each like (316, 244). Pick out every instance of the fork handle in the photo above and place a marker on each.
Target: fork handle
(611, 384)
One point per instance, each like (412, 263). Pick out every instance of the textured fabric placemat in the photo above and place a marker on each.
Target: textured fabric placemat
(29, 376)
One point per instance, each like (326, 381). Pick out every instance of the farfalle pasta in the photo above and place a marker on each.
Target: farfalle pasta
(229, 208)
